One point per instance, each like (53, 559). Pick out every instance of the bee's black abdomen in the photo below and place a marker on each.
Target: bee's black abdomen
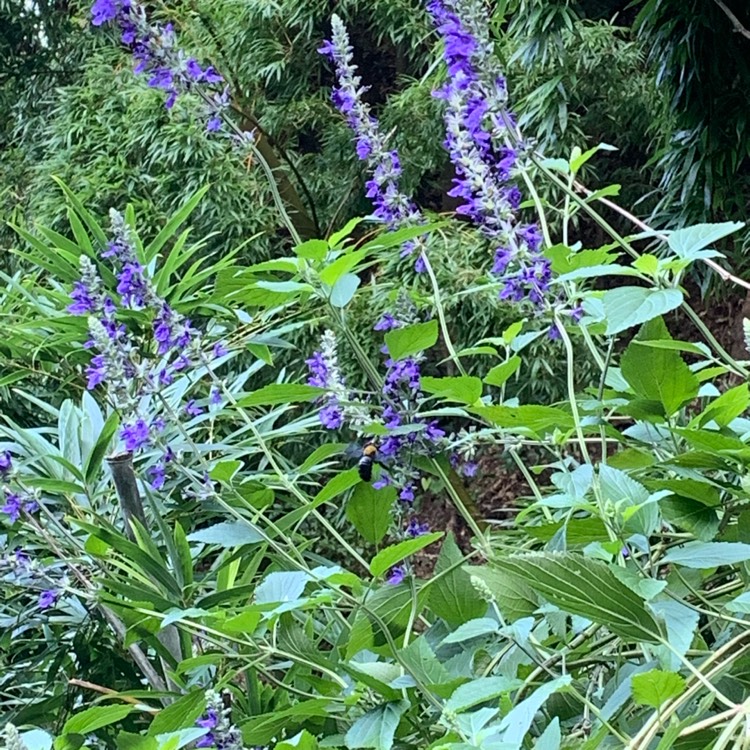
(365, 468)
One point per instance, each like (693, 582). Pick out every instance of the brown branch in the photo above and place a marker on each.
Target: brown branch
(108, 691)
(738, 27)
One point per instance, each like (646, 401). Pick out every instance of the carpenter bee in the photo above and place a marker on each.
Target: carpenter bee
(367, 461)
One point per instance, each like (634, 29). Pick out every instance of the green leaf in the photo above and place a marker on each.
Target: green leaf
(281, 586)
(530, 418)
(464, 389)
(707, 554)
(499, 374)
(517, 721)
(336, 486)
(740, 604)
(228, 534)
(344, 289)
(377, 727)
(95, 458)
(629, 306)
(225, 470)
(312, 250)
(726, 407)
(472, 629)
(627, 494)
(343, 233)
(655, 687)
(95, 718)
(513, 595)
(691, 515)
(180, 714)
(369, 511)
(688, 242)
(478, 691)
(405, 342)
(281, 393)
(301, 741)
(421, 662)
(452, 597)
(587, 588)
(341, 266)
(658, 374)
(390, 556)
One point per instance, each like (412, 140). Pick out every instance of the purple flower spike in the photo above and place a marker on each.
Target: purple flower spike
(482, 142)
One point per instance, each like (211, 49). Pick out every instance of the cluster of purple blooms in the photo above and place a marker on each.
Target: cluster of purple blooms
(482, 140)
(158, 56)
(222, 734)
(392, 207)
(408, 433)
(18, 500)
(118, 364)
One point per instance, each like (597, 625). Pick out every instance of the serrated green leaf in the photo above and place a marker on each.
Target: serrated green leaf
(376, 729)
(405, 342)
(228, 534)
(707, 554)
(655, 687)
(369, 511)
(463, 389)
(628, 306)
(587, 588)
(499, 374)
(452, 597)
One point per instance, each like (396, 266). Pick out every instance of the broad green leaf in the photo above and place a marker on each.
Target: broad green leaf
(678, 346)
(320, 454)
(281, 586)
(336, 486)
(377, 727)
(681, 622)
(341, 266)
(629, 306)
(225, 470)
(377, 675)
(312, 250)
(658, 374)
(707, 554)
(578, 159)
(228, 534)
(480, 690)
(369, 511)
(260, 729)
(517, 722)
(281, 393)
(344, 289)
(551, 738)
(419, 658)
(531, 418)
(587, 588)
(592, 272)
(647, 263)
(452, 597)
(499, 374)
(687, 242)
(655, 687)
(301, 741)
(464, 389)
(514, 597)
(390, 556)
(740, 604)
(617, 487)
(691, 515)
(477, 628)
(727, 407)
(405, 342)
(95, 718)
(564, 260)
